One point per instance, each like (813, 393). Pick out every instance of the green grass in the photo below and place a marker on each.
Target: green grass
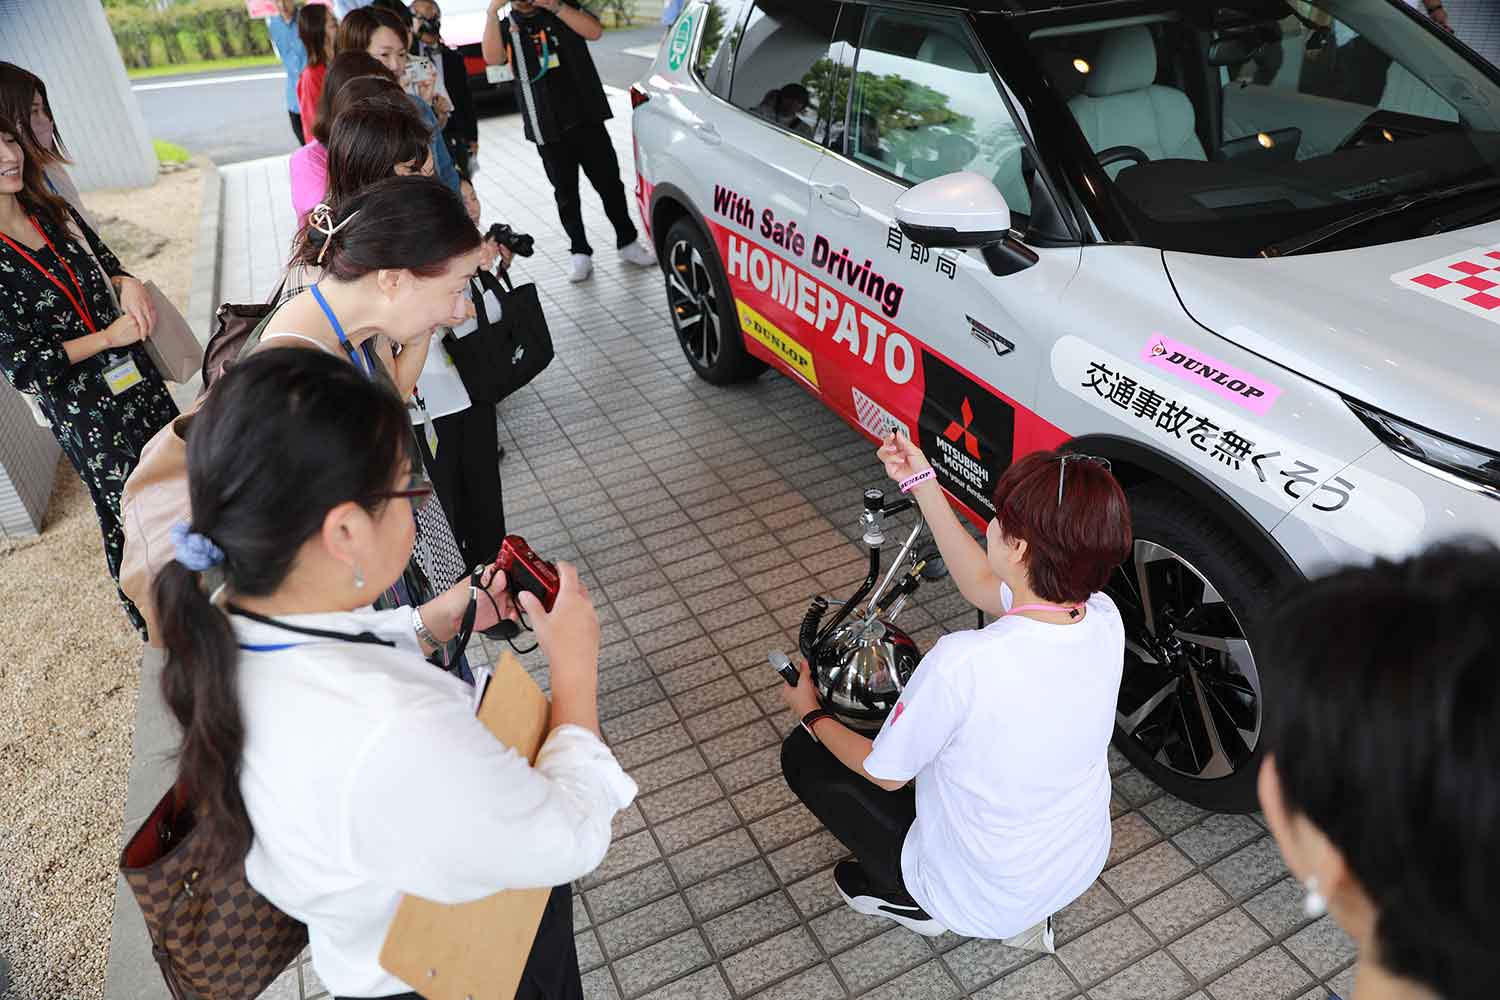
(169, 152)
(203, 66)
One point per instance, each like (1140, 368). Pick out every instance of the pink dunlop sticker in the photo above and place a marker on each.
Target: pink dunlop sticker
(1239, 387)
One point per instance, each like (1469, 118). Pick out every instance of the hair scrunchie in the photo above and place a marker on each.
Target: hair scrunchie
(321, 219)
(195, 551)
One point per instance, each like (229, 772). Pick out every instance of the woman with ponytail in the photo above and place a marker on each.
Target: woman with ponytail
(318, 745)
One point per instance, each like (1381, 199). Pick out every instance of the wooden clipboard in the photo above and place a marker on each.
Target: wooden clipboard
(478, 950)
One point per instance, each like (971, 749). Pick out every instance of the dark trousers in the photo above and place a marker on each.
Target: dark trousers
(866, 818)
(466, 474)
(552, 967)
(297, 127)
(587, 147)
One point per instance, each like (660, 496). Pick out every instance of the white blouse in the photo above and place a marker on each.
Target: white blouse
(366, 775)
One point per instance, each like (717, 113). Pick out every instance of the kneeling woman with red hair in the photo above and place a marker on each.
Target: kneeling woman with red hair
(982, 805)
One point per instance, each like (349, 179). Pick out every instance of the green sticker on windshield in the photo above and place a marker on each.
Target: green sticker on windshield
(682, 39)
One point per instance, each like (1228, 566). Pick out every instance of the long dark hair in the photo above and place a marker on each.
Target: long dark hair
(312, 30)
(371, 138)
(35, 196)
(1382, 723)
(287, 435)
(413, 223)
(18, 87)
(345, 68)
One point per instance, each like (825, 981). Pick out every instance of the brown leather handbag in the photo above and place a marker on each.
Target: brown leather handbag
(212, 935)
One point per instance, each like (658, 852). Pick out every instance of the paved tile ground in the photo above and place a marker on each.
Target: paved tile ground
(703, 520)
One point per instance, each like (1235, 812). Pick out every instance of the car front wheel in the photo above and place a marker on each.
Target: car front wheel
(1191, 700)
(703, 311)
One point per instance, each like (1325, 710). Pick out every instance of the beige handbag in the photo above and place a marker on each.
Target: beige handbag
(155, 497)
(173, 347)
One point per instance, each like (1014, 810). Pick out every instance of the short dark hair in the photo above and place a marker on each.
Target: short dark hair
(360, 25)
(370, 139)
(412, 223)
(1074, 545)
(346, 66)
(1383, 723)
(312, 30)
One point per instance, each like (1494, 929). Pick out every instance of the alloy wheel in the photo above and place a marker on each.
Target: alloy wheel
(1190, 697)
(695, 307)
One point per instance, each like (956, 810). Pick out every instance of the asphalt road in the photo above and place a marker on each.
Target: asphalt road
(241, 115)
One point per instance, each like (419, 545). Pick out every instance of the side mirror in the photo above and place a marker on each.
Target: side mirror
(963, 210)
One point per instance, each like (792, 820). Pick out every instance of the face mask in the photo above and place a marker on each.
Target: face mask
(423, 25)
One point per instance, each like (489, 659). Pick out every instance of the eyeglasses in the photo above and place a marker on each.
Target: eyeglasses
(418, 488)
(1062, 468)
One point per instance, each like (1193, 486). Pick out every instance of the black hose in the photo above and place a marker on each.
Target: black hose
(859, 595)
(807, 635)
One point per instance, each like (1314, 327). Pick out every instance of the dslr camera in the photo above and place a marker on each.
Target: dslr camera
(520, 244)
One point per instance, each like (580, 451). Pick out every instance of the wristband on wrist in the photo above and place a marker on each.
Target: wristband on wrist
(811, 718)
(910, 482)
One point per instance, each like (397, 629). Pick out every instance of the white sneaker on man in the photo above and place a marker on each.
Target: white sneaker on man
(583, 266)
(639, 254)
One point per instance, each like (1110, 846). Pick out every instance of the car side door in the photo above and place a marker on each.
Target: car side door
(760, 154)
(931, 341)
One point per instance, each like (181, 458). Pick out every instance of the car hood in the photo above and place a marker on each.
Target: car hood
(1387, 325)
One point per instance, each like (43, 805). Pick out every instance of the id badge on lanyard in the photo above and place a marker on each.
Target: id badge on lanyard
(122, 376)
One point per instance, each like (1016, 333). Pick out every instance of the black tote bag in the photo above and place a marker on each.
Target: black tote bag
(504, 353)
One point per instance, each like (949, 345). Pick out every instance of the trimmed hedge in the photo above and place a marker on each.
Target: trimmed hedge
(187, 31)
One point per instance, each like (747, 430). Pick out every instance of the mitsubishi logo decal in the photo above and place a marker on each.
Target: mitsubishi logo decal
(955, 430)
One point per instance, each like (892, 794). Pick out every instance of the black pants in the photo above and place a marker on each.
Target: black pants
(552, 967)
(466, 474)
(588, 147)
(866, 818)
(297, 127)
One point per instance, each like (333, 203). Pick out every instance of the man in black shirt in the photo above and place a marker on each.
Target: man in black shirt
(564, 109)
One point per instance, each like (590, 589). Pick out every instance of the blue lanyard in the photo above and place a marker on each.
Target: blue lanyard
(338, 328)
(273, 647)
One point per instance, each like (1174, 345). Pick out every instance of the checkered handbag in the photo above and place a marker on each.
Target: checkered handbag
(213, 936)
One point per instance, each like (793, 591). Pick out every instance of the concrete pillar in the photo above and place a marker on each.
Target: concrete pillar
(68, 44)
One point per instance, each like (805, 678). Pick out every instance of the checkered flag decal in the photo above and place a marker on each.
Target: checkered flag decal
(213, 936)
(1469, 281)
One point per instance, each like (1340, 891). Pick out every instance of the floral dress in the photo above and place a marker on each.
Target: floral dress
(101, 433)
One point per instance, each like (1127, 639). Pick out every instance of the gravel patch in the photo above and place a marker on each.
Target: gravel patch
(69, 675)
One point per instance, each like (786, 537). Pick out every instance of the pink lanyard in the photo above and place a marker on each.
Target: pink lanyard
(1071, 609)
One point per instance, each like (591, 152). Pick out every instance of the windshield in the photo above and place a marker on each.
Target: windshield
(1237, 126)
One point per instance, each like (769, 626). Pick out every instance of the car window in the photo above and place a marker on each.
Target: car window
(1227, 129)
(924, 104)
(784, 63)
(714, 62)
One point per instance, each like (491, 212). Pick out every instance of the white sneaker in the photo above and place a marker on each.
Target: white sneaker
(639, 254)
(583, 266)
(1037, 937)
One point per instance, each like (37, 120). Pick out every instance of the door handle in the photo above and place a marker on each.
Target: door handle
(708, 133)
(837, 197)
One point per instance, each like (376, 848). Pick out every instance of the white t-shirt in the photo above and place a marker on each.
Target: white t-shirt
(366, 775)
(1006, 730)
(440, 385)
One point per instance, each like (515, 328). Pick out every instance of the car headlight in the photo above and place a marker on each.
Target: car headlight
(1473, 468)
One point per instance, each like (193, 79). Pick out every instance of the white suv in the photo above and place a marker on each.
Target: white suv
(1240, 248)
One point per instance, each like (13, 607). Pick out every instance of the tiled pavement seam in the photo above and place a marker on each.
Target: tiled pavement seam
(703, 519)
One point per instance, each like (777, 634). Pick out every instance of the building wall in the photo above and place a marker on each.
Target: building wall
(68, 44)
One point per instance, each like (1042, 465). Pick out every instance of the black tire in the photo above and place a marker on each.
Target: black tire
(1174, 687)
(703, 313)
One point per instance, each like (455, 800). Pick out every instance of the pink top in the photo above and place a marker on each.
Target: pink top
(309, 168)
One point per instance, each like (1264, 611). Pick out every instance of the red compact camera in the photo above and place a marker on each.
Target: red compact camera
(525, 570)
